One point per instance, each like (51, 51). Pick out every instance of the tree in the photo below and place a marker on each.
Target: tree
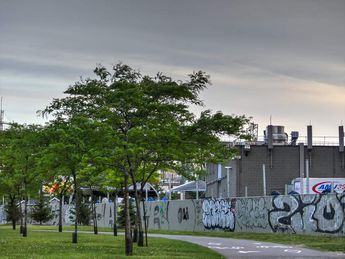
(149, 125)
(81, 213)
(41, 211)
(65, 152)
(19, 159)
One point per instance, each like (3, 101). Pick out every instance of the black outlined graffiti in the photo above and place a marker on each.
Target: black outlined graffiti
(308, 213)
(252, 213)
(182, 214)
(218, 213)
(329, 214)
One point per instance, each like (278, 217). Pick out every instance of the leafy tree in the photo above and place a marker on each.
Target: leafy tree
(13, 212)
(149, 126)
(68, 146)
(19, 160)
(41, 211)
(122, 213)
(81, 213)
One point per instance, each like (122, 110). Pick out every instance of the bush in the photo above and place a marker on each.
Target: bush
(41, 211)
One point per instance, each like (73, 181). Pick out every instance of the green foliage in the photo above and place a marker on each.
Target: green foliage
(121, 213)
(13, 211)
(140, 124)
(41, 211)
(84, 212)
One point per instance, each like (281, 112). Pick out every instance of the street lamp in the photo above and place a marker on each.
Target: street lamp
(228, 179)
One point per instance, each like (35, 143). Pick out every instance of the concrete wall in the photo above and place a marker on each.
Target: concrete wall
(104, 210)
(309, 214)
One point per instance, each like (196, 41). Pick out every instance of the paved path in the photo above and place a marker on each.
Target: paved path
(238, 248)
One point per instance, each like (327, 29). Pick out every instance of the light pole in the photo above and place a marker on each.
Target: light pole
(228, 179)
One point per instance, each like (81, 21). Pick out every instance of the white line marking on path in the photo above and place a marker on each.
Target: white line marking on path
(292, 251)
(214, 244)
(247, 252)
(278, 246)
(226, 247)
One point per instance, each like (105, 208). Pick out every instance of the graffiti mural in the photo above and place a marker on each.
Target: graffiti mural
(252, 213)
(182, 214)
(315, 213)
(218, 213)
(307, 214)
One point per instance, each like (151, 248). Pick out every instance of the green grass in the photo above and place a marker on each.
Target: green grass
(319, 242)
(58, 245)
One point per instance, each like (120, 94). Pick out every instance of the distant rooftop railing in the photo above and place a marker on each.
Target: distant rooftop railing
(317, 141)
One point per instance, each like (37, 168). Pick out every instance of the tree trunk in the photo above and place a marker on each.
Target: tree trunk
(138, 218)
(115, 215)
(95, 229)
(60, 212)
(145, 221)
(128, 234)
(75, 233)
(21, 218)
(14, 209)
(25, 230)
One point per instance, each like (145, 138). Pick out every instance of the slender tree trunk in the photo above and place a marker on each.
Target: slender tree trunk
(14, 210)
(75, 233)
(128, 234)
(60, 211)
(145, 221)
(115, 215)
(138, 219)
(21, 217)
(25, 230)
(95, 228)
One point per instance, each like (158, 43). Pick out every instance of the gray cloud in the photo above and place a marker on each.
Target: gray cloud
(275, 51)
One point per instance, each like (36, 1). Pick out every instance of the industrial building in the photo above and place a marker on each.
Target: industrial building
(268, 167)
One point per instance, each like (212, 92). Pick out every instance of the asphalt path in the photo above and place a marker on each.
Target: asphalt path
(239, 248)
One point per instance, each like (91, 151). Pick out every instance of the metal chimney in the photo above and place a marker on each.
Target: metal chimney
(270, 137)
(310, 137)
(341, 138)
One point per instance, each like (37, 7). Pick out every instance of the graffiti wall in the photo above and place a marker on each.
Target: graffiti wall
(170, 215)
(312, 214)
(104, 211)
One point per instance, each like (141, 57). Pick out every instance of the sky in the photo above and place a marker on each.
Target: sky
(279, 61)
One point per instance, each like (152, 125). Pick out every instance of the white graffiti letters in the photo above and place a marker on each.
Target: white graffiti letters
(217, 213)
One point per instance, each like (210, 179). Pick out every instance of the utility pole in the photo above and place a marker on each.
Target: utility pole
(1, 116)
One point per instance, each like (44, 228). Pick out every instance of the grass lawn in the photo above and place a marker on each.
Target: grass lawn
(319, 242)
(58, 245)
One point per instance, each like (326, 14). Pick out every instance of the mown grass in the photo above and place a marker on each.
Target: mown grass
(319, 242)
(40, 244)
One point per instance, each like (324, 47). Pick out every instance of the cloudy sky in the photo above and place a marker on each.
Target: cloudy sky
(267, 58)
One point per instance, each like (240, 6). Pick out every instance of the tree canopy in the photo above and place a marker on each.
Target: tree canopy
(144, 124)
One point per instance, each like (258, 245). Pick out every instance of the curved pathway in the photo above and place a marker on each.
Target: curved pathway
(238, 248)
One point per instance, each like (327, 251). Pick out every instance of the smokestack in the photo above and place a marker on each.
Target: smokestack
(341, 138)
(270, 136)
(310, 137)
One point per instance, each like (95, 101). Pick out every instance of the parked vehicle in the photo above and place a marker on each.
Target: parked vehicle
(318, 185)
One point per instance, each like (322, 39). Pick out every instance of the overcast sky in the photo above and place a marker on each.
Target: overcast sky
(284, 59)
